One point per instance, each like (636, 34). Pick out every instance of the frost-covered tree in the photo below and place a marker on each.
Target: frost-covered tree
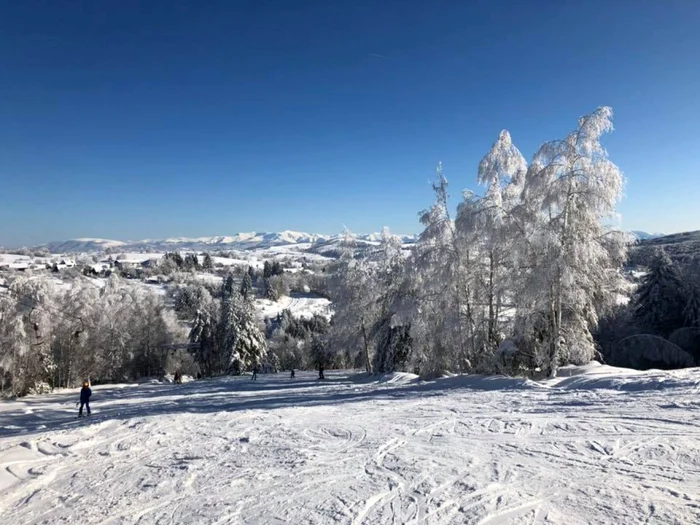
(487, 231)
(571, 189)
(352, 291)
(441, 317)
(188, 298)
(33, 328)
(390, 336)
(277, 287)
(60, 336)
(13, 344)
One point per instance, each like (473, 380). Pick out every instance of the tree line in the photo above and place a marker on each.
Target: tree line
(57, 336)
(515, 282)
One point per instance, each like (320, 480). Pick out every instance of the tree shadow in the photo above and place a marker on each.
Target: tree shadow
(226, 394)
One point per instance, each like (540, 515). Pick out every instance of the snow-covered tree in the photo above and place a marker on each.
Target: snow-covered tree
(441, 317)
(573, 258)
(487, 232)
(243, 343)
(13, 344)
(391, 338)
(352, 291)
(229, 338)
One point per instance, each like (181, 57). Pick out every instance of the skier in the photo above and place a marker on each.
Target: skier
(177, 378)
(85, 394)
(255, 373)
(292, 375)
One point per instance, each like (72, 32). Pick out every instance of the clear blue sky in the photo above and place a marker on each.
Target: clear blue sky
(150, 119)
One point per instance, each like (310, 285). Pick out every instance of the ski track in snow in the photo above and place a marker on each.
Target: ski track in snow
(354, 451)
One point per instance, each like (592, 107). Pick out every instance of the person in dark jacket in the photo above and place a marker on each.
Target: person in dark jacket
(255, 373)
(85, 394)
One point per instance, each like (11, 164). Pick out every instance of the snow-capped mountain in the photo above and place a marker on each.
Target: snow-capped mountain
(239, 241)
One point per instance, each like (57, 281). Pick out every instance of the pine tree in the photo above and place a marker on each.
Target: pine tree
(228, 286)
(246, 286)
(208, 263)
(267, 270)
(659, 301)
(692, 306)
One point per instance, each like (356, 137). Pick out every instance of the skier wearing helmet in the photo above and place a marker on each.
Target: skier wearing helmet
(85, 394)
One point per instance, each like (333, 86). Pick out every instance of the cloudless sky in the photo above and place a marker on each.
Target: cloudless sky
(152, 119)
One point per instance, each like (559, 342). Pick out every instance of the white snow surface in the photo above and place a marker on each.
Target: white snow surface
(598, 445)
(300, 305)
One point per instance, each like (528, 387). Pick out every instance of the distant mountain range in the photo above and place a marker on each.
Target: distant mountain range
(239, 241)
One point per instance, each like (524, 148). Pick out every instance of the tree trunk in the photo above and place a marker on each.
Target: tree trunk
(492, 321)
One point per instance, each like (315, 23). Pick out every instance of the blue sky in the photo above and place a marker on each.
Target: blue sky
(134, 120)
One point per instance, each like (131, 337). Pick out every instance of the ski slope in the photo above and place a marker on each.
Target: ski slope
(599, 445)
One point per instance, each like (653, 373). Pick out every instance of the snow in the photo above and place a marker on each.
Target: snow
(599, 445)
(137, 257)
(240, 241)
(300, 305)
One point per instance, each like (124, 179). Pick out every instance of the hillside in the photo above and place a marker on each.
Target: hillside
(679, 246)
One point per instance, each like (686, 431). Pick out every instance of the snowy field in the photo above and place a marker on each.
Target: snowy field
(600, 446)
(300, 305)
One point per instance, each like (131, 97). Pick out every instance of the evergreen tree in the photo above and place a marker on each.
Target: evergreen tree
(208, 263)
(659, 301)
(175, 257)
(692, 306)
(191, 262)
(246, 286)
(269, 291)
(228, 286)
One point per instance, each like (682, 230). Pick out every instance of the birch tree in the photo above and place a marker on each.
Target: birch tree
(573, 188)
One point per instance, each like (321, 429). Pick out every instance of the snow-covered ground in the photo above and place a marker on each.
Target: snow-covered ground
(300, 305)
(598, 445)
